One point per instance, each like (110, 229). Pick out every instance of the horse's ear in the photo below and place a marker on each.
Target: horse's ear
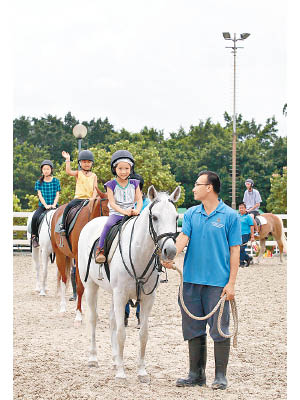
(101, 194)
(176, 194)
(152, 193)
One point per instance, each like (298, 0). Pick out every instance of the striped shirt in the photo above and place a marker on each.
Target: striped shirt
(48, 190)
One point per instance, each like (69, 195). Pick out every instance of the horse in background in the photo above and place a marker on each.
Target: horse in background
(134, 271)
(274, 227)
(41, 254)
(64, 253)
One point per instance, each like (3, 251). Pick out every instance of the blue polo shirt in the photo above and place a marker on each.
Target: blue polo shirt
(207, 259)
(246, 222)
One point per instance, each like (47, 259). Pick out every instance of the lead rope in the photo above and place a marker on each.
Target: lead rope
(220, 305)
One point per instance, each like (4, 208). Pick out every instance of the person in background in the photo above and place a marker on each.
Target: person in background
(252, 201)
(146, 201)
(247, 227)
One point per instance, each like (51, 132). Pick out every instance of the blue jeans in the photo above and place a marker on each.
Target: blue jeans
(243, 255)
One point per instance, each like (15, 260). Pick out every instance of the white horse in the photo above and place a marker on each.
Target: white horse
(42, 253)
(154, 229)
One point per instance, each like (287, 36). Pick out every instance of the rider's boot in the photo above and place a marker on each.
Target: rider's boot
(197, 358)
(222, 350)
(35, 241)
(100, 257)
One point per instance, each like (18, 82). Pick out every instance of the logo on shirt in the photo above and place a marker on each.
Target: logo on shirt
(217, 223)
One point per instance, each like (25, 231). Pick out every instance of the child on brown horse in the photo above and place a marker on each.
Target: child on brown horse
(86, 182)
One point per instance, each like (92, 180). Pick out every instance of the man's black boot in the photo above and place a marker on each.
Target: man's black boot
(222, 350)
(197, 357)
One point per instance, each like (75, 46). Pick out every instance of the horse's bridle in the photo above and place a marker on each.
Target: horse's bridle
(141, 280)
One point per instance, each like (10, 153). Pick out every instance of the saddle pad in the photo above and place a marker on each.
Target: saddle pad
(262, 220)
(115, 241)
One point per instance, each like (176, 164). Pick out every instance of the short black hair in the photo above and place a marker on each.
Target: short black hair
(242, 204)
(213, 179)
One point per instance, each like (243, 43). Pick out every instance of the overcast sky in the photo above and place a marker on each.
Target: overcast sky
(160, 63)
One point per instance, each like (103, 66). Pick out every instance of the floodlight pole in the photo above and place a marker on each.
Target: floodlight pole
(234, 48)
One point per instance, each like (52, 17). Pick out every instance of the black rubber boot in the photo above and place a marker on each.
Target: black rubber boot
(73, 280)
(222, 350)
(197, 357)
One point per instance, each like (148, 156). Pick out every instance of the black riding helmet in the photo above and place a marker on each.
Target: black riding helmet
(85, 155)
(117, 156)
(46, 162)
(139, 178)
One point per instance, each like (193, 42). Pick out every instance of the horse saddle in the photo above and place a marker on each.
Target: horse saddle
(111, 240)
(260, 220)
(70, 218)
(39, 222)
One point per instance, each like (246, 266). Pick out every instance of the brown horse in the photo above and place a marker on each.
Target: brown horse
(273, 227)
(64, 254)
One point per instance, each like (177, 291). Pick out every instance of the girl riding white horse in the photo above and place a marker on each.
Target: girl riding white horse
(142, 238)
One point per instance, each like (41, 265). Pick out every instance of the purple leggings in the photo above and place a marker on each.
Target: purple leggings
(112, 220)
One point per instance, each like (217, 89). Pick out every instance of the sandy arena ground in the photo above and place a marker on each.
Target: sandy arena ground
(50, 354)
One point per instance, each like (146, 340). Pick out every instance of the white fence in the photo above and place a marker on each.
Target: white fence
(17, 243)
(20, 243)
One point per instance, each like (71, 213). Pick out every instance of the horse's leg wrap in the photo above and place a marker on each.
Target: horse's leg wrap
(222, 350)
(197, 358)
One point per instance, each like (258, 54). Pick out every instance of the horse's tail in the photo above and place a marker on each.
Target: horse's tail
(283, 238)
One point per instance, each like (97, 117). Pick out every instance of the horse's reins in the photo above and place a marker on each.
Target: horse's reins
(141, 280)
(220, 305)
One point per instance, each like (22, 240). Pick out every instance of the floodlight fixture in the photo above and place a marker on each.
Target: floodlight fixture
(245, 35)
(226, 35)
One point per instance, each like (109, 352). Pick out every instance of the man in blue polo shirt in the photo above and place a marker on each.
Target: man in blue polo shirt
(247, 233)
(212, 232)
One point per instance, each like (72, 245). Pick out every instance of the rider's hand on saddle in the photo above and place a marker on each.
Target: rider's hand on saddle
(134, 212)
(66, 155)
(252, 238)
(127, 212)
(48, 206)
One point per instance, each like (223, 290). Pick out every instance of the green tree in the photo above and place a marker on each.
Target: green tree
(27, 159)
(147, 163)
(277, 201)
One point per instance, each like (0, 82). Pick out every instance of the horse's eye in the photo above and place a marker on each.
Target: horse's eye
(155, 218)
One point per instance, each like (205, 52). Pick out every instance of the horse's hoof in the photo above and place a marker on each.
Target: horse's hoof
(92, 364)
(144, 378)
(42, 293)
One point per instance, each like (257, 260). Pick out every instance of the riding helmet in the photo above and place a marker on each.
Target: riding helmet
(46, 162)
(85, 155)
(249, 181)
(118, 155)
